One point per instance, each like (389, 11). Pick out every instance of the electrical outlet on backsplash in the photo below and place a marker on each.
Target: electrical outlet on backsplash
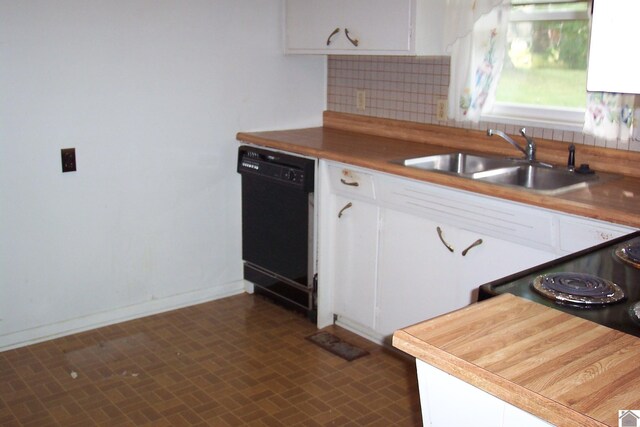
(409, 88)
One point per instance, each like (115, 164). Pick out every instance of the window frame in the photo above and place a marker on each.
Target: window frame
(536, 115)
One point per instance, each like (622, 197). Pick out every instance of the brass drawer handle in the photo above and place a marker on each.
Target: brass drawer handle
(353, 41)
(336, 31)
(473, 245)
(347, 206)
(352, 183)
(448, 246)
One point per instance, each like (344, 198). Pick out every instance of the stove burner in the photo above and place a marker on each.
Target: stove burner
(578, 288)
(635, 311)
(629, 253)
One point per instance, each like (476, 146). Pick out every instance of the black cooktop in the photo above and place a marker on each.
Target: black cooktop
(600, 261)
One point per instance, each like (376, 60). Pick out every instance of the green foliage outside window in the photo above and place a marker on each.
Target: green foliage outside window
(546, 64)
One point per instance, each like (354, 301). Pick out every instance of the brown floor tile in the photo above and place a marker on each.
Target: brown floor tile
(236, 361)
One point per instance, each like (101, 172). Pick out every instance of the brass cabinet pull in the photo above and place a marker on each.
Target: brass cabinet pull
(336, 31)
(448, 246)
(347, 206)
(473, 245)
(353, 41)
(352, 183)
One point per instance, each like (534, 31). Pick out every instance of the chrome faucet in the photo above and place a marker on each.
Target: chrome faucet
(529, 152)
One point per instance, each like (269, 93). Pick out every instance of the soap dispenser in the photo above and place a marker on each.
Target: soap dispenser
(571, 162)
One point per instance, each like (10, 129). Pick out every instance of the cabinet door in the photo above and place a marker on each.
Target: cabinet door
(416, 274)
(309, 23)
(377, 25)
(489, 260)
(420, 277)
(355, 256)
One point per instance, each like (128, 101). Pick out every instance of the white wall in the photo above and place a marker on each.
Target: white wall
(151, 94)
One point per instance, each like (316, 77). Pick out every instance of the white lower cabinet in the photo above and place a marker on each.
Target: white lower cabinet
(428, 267)
(414, 272)
(580, 233)
(383, 265)
(448, 401)
(354, 258)
(493, 259)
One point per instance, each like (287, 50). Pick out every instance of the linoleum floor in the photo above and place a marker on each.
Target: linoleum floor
(236, 361)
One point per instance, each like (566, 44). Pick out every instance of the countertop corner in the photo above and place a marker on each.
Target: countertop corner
(560, 368)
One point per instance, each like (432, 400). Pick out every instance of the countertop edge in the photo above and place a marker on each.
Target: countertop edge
(512, 393)
(555, 203)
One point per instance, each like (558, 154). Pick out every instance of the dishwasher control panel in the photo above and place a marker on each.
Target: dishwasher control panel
(284, 168)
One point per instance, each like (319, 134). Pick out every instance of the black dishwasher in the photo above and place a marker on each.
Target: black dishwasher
(277, 226)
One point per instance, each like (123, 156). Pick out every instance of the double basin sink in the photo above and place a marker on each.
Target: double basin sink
(537, 177)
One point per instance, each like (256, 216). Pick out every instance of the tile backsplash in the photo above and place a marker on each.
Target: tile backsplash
(408, 88)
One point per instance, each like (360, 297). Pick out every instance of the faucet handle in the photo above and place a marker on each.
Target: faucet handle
(531, 146)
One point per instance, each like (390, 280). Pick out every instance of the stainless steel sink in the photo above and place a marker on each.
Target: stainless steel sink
(458, 163)
(541, 179)
(518, 173)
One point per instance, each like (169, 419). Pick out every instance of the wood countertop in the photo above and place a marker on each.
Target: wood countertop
(373, 143)
(561, 368)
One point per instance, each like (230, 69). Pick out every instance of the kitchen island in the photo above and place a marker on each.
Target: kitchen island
(562, 369)
(563, 344)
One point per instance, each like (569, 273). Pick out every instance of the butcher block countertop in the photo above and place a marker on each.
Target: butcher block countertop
(374, 143)
(561, 368)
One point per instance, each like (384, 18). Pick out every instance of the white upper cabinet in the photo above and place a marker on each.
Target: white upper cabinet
(364, 27)
(613, 60)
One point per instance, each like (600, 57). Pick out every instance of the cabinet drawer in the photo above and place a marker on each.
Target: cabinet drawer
(351, 182)
(577, 234)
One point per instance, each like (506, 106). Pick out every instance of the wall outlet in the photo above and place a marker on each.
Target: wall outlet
(68, 159)
(441, 110)
(361, 100)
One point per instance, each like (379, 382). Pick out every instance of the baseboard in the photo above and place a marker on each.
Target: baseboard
(248, 287)
(85, 323)
(361, 330)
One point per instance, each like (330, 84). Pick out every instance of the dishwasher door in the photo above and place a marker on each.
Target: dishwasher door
(277, 226)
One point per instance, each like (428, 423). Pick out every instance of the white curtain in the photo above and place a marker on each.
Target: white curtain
(461, 15)
(475, 35)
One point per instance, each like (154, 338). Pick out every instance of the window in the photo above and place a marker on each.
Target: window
(544, 74)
